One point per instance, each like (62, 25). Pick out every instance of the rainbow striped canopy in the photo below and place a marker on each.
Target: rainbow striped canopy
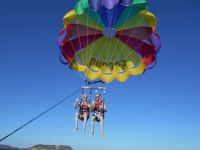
(109, 39)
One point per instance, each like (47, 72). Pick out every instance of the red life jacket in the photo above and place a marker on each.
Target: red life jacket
(84, 107)
(97, 108)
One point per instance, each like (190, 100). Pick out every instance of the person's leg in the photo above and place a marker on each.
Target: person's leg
(77, 115)
(92, 125)
(84, 123)
(102, 126)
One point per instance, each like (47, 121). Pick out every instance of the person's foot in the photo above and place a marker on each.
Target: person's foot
(83, 131)
(91, 134)
(75, 129)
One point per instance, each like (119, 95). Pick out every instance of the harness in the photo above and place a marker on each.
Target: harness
(84, 108)
(97, 108)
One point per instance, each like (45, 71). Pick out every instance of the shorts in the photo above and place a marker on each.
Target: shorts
(97, 116)
(82, 116)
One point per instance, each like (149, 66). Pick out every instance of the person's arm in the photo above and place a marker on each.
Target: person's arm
(75, 104)
(89, 105)
(103, 106)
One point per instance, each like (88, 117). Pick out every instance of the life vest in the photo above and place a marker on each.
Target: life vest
(97, 108)
(84, 107)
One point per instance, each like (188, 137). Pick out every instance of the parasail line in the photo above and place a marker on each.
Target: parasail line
(39, 115)
(80, 75)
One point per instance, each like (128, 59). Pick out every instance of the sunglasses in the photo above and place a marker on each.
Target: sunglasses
(84, 97)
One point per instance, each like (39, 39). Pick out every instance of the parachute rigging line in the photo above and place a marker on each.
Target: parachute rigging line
(130, 37)
(80, 75)
(39, 115)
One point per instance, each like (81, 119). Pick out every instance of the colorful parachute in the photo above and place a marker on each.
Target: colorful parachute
(109, 39)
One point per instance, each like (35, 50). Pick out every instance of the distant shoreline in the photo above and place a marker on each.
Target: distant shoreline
(37, 147)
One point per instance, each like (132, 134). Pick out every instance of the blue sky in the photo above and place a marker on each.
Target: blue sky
(154, 111)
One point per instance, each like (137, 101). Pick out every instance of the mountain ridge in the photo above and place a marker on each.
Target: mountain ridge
(37, 147)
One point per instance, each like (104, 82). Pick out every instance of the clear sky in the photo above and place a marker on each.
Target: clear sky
(159, 110)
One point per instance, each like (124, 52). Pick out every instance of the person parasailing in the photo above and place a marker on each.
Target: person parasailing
(84, 112)
(99, 108)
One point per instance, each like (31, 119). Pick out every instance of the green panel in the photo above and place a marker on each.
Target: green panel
(139, 1)
(86, 20)
(81, 6)
(88, 52)
(95, 16)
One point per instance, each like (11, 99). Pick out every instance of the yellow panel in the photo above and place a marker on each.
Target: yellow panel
(75, 65)
(107, 78)
(117, 69)
(70, 16)
(115, 46)
(129, 64)
(138, 70)
(86, 54)
(83, 19)
(98, 48)
(122, 77)
(142, 18)
(130, 56)
(105, 69)
(80, 67)
(91, 74)
(94, 68)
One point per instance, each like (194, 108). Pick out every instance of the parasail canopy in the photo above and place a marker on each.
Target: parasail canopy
(109, 39)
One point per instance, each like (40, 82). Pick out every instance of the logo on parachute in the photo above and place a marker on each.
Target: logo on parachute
(99, 63)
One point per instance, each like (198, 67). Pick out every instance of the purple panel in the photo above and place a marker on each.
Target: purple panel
(155, 41)
(61, 59)
(95, 4)
(111, 16)
(110, 3)
(61, 38)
